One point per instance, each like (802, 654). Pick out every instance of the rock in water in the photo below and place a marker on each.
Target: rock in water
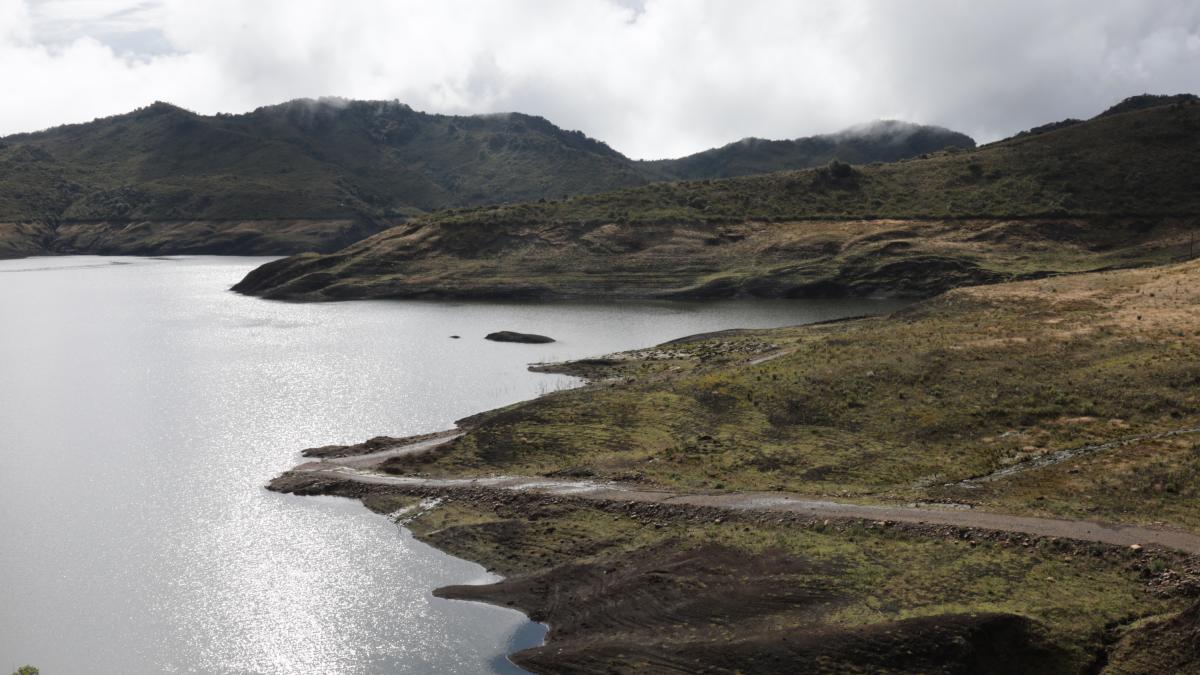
(513, 336)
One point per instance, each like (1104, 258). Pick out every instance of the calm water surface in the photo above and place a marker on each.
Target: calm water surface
(143, 407)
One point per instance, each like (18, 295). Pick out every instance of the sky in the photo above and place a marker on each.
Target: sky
(652, 78)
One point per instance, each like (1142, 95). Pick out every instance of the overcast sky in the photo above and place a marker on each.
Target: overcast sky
(653, 78)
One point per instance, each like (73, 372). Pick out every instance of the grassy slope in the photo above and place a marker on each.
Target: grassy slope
(881, 409)
(895, 408)
(1116, 182)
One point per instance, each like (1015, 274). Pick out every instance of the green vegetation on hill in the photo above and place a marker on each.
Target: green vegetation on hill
(912, 407)
(1121, 189)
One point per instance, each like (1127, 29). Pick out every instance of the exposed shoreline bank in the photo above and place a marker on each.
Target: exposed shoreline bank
(658, 511)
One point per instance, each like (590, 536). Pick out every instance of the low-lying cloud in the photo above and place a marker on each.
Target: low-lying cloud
(653, 79)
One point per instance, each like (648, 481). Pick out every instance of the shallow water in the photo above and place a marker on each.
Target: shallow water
(142, 408)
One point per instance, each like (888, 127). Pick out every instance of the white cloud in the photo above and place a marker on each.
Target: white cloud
(653, 78)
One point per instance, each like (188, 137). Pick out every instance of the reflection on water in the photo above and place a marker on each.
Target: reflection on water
(142, 408)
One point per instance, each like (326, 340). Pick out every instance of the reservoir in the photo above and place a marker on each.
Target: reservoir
(143, 406)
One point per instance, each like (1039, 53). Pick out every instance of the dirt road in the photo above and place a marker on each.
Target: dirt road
(1082, 530)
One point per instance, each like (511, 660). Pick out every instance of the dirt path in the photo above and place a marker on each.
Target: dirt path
(1082, 530)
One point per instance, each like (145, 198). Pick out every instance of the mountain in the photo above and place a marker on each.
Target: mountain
(1121, 189)
(304, 175)
(320, 174)
(881, 141)
(303, 159)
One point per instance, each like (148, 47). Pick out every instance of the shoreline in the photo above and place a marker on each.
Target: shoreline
(517, 589)
(692, 542)
(347, 471)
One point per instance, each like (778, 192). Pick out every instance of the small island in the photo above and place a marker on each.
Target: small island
(513, 336)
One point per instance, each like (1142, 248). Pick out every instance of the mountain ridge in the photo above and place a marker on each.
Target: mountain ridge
(312, 160)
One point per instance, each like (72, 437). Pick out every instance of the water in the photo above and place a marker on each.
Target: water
(142, 408)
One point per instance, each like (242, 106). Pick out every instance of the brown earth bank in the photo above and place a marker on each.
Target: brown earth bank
(793, 259)
(179, 237)
(625, 612)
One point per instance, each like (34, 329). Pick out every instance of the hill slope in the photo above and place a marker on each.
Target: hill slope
(1121, 189)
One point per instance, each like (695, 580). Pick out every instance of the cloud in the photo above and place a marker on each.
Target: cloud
(652, 78)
